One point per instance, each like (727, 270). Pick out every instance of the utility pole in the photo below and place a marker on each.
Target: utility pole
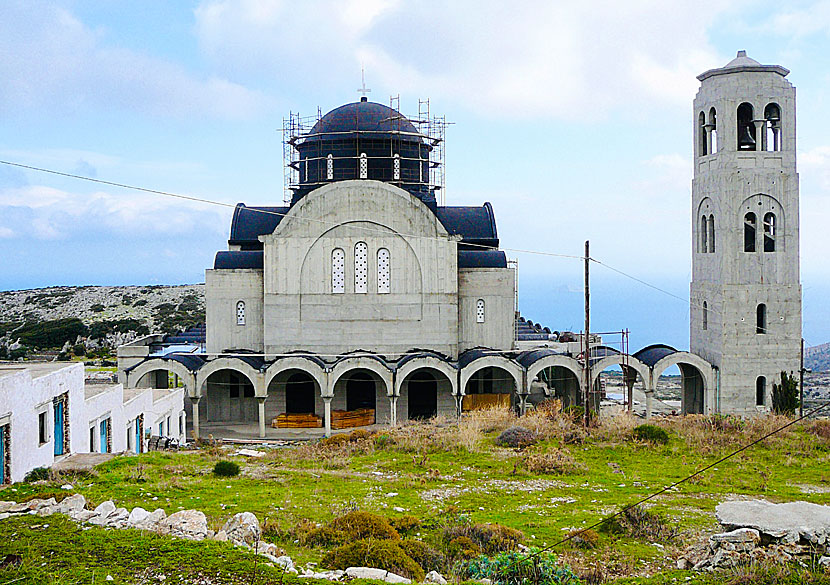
(801, 382)
(586, 353)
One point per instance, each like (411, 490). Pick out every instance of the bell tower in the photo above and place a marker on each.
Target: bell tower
(745, 292)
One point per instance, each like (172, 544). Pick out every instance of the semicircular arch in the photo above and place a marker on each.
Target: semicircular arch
(218, 364)
(494, 361)
(426, 362)
(622, 361)
(135, 375)
(551, 361)
(303, 364)
(350, 364)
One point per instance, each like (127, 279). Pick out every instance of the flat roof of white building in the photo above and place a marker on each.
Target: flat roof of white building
(35, 369)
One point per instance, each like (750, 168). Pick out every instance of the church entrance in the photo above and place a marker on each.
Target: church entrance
(299, 394)
(360, 391)
(423, 396)
(691, 382)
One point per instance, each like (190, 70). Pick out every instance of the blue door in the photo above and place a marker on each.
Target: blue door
(59, 428)
(138, 436)
(103, 436)
(2, 455)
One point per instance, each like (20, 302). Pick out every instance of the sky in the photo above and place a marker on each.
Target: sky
(574, 119)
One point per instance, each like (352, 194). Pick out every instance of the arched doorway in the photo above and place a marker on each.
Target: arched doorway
(556, 382)
(692, 387)
(360, 391)
(230, 397)
(423, 395)
(489, 387)
(299, 394)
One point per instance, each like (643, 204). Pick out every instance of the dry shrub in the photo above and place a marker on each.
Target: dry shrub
(637, 522)
(351, 527)
(549, 421)
(587, 539)
(708, 434)
(558, 461)
(489, 420)
(616, 428)
(820, 428)
(427, 436)
(488, 538)
(405, 524)
(517, 438)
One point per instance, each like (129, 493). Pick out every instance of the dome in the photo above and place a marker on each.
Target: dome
(742, 61)
(362, 116)
(743, 64)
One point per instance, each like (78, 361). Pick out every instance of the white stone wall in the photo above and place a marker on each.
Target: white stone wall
(729, 280)
(167, 408)
(496, 287)
(223, 290)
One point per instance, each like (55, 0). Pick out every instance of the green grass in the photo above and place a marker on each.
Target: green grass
(290, 485)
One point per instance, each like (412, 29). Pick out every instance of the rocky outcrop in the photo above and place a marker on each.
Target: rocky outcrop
(243, 529)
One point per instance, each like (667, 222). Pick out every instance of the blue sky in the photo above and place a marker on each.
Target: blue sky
(573, 119)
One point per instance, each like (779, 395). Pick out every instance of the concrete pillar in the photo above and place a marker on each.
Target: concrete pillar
(760, 135)
(649, 396)
(327, 414)
(195, 401)
(261, 403)
(458, 399)
(393, 411)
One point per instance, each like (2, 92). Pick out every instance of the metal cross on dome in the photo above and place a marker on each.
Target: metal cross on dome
(363, 89)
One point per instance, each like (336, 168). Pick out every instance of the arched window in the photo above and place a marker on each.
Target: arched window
(240, 313)
(750, 222)
(364, 166)
(396, 167)
(761, 319)
(361, 267)
(746, 127)
(705, 315)
(704, 235)
(760, 391)
(383, 270)
(703, 139)
(480, 311)
(772, 127)
(713, 131)
(769, 232)
(329, 167)
(711, 230)
(338, 271)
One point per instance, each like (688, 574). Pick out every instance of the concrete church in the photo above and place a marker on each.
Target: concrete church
(364, 300)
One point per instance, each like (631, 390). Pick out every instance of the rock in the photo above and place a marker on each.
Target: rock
(67, 486)
(105, 509)
(118, 519)
(5, 506)
(19, 508)
(249, 453)
(4, 515)
(682, 564)
(824, 562)
(285, 562)
(137, 515)
(328, 575)
(775, 520)
(380, 574)
(190, 524)
(741, 539)
(81, 515)
(243, 528)
(221, 536)
(270, 549)
(435, 577)
(109, 578)
(154, 521)
(75, 502)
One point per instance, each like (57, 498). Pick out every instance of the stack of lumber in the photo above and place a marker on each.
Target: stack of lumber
(480, 401)
(345, 419)
(297, 421)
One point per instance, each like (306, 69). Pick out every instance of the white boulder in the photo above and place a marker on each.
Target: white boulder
(243, 528)
(190, 524)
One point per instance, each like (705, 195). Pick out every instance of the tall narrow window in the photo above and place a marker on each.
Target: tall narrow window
(338, 271)
(772, 127)
(480, 311)
(711, 230)
(329, 167)
(702, 134)
(704, 235)
(761, 319)
(769, 232)
(760, 391)
(713, 131)
(361, 267)
(42, 433)
(364, 166)
(750, 222)
(705, 315)
(240, 313)
(746, 127)
(383, 270)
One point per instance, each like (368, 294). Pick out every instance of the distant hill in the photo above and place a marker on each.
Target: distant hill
(817, 358)
(160, 308)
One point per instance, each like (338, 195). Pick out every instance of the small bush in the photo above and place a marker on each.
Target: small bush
(353, 526)
(587, 539)
(820, 428)
(381, 554)
(486, 538)
(515, 568)
(140, 303)
(558, 461)
(517, 437)
(226, 469)
(637, 522)
(651, 434)
(383, 440)
(79, 349)
(785, 397)
(427, 557)
(37, 474)
(405, 524)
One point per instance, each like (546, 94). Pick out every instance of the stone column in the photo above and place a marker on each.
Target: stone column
(760, 134)
(649, 396)
(261, 403)
(327, 414)
(195, 401)
(393, 411)
(458, 400)
(522, 404)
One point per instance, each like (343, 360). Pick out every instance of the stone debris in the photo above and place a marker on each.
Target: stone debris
(760, 531)
(189, 524)
(435, 577)
(380, 574)
(249, 453)
(243, 529)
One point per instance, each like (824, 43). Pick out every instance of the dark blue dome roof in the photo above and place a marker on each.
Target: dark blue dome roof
(362, 117)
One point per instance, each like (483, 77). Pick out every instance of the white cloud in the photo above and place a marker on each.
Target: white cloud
(552, 60)
(6, 232)
(816, 163)
(52, 60)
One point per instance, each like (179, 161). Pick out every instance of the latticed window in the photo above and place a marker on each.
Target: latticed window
(480, 311)
(396, 167)
(329, 167)
(240, 313)
(361, 267)
(338, 271)
(383, 270)
(364, 166)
